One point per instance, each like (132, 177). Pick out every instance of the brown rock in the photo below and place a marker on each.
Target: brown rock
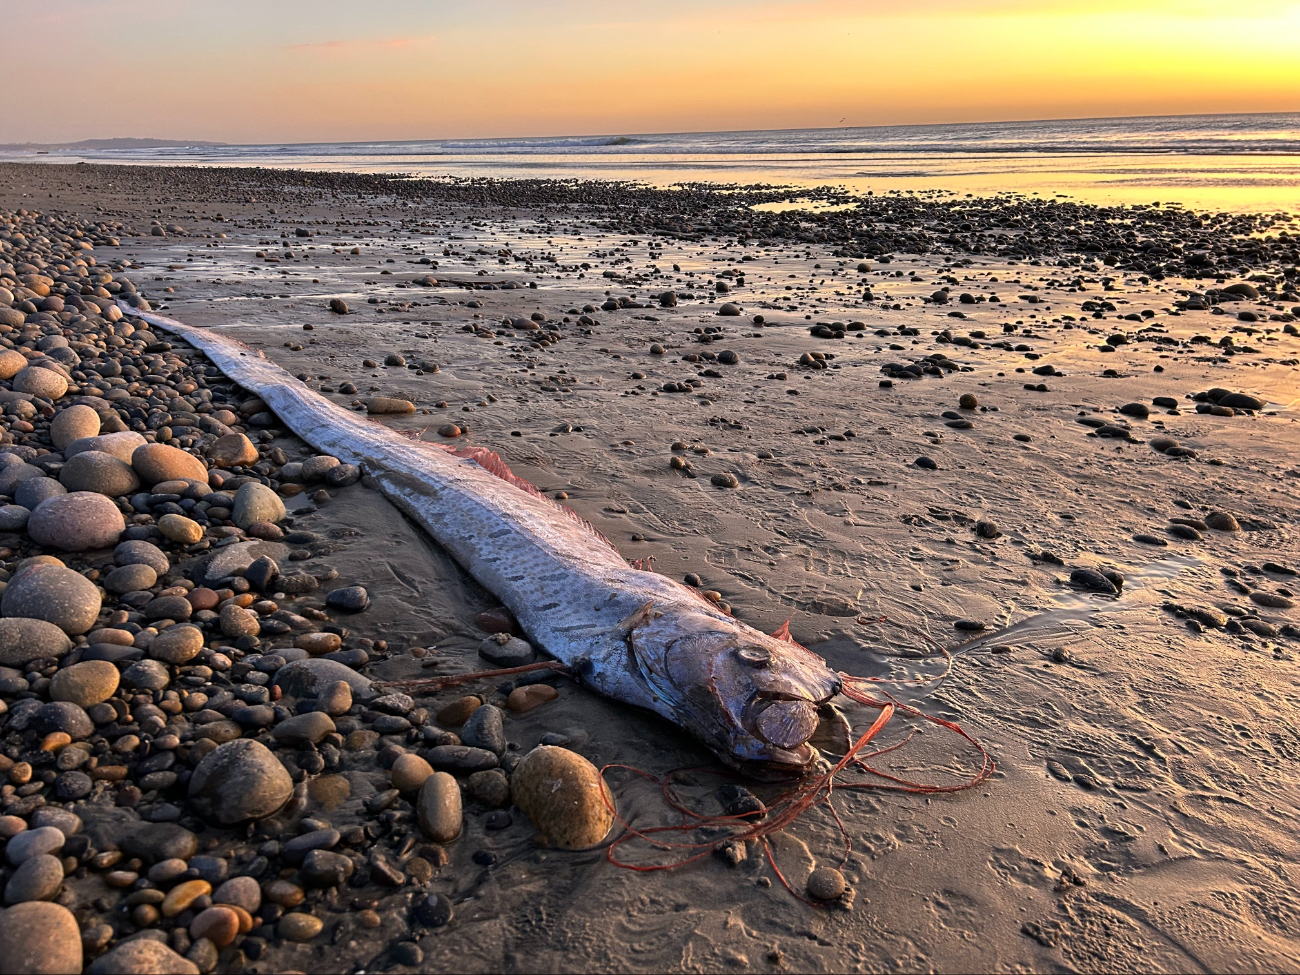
(233, 450)
(526, 698)
(563, 796)
(156, 462)
(458, 711)
(39, 938)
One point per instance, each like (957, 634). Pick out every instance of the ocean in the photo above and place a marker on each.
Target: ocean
(1207, 162)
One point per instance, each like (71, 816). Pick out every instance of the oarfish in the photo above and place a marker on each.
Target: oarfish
(635, 636)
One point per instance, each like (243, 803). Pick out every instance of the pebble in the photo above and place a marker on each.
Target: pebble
(255, 502)
(33, 842)
(324, 868)
(826, 884)
(40, 938)
(139, 552)
(490, 788)
(130, 578)
(1271, 599)
(55, 594)
(304, 729)
(85, 683)
(485, 729)
(529, 696)
(34, 490)
(141, 956)
(232, 450)
(456, 713)
(506, 651)
(309, 678)
(40, 381)
(160, 841)
(24, 639)
(350, 599)
(561, 794)
(180, 897)
(179, 529)
(79, 521)
(725, 480)
(101, 473)
(243, 892)
(177, 645)
(240, 780)
(38, 879)
(1221, 521)
(460, 758)
(219, 924)
(388, 405)
(156, 462)
(435, 911)
(439, 809)
(121, 445)
(1094, 580)
(74, 423)
(409, 772)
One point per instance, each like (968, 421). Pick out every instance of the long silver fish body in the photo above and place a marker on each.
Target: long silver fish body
(631, 635)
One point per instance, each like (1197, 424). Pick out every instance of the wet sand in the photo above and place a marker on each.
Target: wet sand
(1142, 816)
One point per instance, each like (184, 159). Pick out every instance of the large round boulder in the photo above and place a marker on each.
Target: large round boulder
(76, 522)
(563, 796)
(55, 594)
(40, 938)
(23, 640)
(121, 445)
(255, 502)
(239, 781)
(40, 381)
(10, 361)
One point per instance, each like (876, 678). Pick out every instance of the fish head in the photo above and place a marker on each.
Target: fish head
(752, 698)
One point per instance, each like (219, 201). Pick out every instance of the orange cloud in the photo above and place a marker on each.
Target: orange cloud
(363, 45)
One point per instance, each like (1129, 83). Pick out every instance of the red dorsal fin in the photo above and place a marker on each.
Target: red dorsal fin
(782, 633)
(491, 462)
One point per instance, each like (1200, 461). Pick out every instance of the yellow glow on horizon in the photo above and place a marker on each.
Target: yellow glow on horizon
(435, 70)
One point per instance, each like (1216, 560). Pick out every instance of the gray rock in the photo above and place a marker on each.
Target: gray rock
(66, 717)
(295, 850)
(243, 892)
(256, 502)
(40, 938)
(32, 492)
(460, 758)
(350, 599)
(14, 474)
(38, 879)
(311, 678)
(160, 841)
(147, 675)
(304, 729)
(121, 445)
(505, 650)
(485, 729)
(94, 470)
(23, 639)
(139, 552)
(55, 594)
(234, 560)
(33, 842)
(130, 578)
(78, 522)
(323, 868)
(141, 956)
(240, 780)
(13, 517)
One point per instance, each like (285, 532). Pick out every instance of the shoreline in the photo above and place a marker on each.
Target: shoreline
(1118, 721)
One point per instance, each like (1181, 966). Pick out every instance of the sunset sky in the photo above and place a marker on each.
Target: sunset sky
(291, 71)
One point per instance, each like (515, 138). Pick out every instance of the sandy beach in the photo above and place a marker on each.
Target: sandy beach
(895, 423)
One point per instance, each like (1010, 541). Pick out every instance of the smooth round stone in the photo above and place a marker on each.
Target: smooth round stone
(351, 599)
(524, 699)
(318, 644)
(24, 639)
(121, 445)
(180, 897)
(40, 381)
(218, 924)
(11, 826)
(236, 621)
(138, 552)
(299, 927)
(1221, 521)
(244, 892)
(64, 716)
(155, 842)
(141, 956)
(255, 502)
(315, 468)
(238, 781)
(38, 879)
(232, 450)
(76, 522)
(826, 884)
(506, 651)
(40, 938)
(147, 675)
(53, 593)
(456, 713)
(130, 578)
(409, 772)
(335, 700)
(85, 683)
(304, 729)
(74, 423)
(179, 529)
(438, 808)
(13, 517)
(94, 470)
(11, 361)
(323, 868)
(12, 475)
(34, 490)
(489, 787)
(33, 842)
(485, 730)
(309, 678)
(177, 645)
(156, 462)
(563, 796)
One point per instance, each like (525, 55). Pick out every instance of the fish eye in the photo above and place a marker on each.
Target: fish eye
(755, 656)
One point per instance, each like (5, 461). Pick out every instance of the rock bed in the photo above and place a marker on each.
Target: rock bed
(174, 689)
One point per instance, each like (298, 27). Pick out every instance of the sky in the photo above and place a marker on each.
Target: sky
(259, 71)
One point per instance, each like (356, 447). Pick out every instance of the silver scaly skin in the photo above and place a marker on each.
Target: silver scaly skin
(634, 636)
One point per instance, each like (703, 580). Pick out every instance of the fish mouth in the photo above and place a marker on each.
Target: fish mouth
(780, 769)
